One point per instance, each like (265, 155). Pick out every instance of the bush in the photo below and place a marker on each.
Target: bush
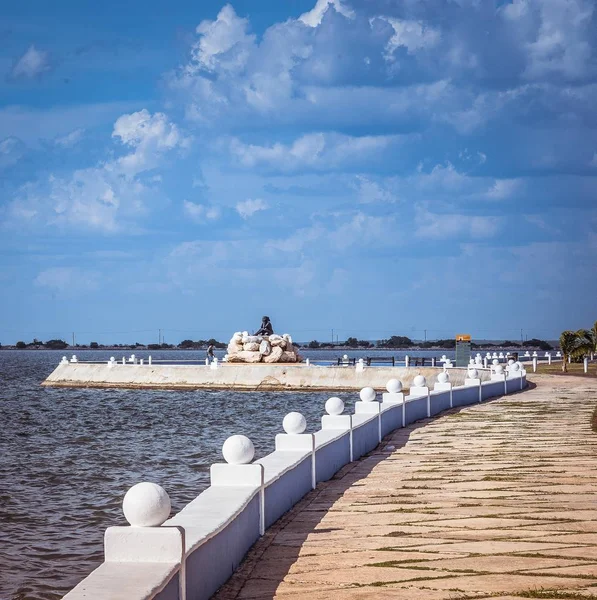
(21, 345)
(56, 344)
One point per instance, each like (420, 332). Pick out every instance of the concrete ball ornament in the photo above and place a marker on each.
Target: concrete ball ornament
(394, 386)
(472, 374)
(294, 423)
(419, 381)
(367, 394)
(238, 450)
(334, 406)
(146, 505)
(443, 378)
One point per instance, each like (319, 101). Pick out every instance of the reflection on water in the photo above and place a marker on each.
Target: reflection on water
(68, 456)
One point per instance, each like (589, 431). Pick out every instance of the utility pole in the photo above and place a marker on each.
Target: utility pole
(425, 335)
(159, 336)
(521, 338)
(73, 339)
(332, 336)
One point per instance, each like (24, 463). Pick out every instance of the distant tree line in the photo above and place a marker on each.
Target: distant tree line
(401, 341)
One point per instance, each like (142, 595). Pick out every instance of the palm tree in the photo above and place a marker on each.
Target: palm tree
(568, 342)
(584, 344)
(594, 338)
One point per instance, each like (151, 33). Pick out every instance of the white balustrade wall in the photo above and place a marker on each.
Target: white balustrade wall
(189, 556)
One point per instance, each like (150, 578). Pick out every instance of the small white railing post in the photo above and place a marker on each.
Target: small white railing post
(368, 404)
(295, 438)
(534, 364)
(406, 360)
(395, 395)
(586, 364)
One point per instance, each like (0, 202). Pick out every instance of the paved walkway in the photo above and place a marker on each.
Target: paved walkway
(491, 501)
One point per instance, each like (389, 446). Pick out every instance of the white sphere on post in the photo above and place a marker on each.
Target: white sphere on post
(367, 394)
(146, 505)
(334, 406)
(419, 381)
(472, 374)
(238, 450)
(443, 377)
(294, 423)
(394, 386)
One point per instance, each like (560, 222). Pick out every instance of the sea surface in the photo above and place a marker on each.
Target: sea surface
(68, 456)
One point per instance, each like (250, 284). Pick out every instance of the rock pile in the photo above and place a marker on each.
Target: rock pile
(274, 348)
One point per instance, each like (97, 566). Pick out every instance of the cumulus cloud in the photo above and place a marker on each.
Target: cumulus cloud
(108, 195)
(314, 17)
(201, 213)
(248, 208)
(150, 136)
(31, 65)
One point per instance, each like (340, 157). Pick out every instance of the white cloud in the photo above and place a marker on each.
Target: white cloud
(314, 17)
(69, 280)
(503, 188)
(223, 44)
(313, 151)
(11, 151)
(109, 195)
(412, 35)
(372, 192)
(150, 136)
(30, 65)
(248, 208)
(201, 213)
(70, 139)
(443, 226)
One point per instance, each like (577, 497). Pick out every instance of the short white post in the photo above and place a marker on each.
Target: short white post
(140, 361)
(295, 439)
(569, 359)
(307, 362)
(238, 452)
(207, 362)
(419, 389)
(74, 358)
(368, 404)
(534, 364)
(406, 360)
(443, 385)
(123, 360)
(395, 395)
(214, 364)
(586, 364)
(485, 363)
(549, 358)
(146, 506)
(360, 366)
(64, 361)
(334, 407)
(149, 360)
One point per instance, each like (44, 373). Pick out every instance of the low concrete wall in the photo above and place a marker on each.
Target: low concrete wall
(239, 376)
(217, 528)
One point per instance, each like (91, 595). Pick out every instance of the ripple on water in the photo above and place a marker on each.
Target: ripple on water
(69, 456)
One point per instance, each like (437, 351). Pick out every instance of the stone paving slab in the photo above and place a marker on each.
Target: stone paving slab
(495, 500)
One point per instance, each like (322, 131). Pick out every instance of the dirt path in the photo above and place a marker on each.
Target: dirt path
(493, 501)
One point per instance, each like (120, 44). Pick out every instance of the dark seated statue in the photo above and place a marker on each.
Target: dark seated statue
(266, 327)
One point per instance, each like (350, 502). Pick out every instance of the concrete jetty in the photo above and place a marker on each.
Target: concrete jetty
(496, 500)
(247, 377)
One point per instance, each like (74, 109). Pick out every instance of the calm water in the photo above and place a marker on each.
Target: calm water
(68, 456)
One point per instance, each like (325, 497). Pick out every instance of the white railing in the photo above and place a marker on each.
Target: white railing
(189, 556)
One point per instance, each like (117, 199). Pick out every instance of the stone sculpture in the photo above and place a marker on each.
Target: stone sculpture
(272, 348)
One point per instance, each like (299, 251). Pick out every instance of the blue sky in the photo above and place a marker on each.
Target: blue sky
(378, 167)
